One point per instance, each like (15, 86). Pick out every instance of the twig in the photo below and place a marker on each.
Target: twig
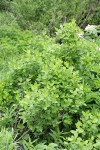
(22, 135)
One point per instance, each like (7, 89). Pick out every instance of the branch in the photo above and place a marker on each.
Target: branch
(22, 135)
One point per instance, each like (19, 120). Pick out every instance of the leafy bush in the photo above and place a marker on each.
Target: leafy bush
(49, 91)
(86, 135)
(39, 15)
(13, 41)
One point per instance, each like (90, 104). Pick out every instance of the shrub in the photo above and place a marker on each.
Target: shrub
(50, 92)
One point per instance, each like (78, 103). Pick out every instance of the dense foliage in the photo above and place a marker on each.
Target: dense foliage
(48, 14)
(49, 86)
